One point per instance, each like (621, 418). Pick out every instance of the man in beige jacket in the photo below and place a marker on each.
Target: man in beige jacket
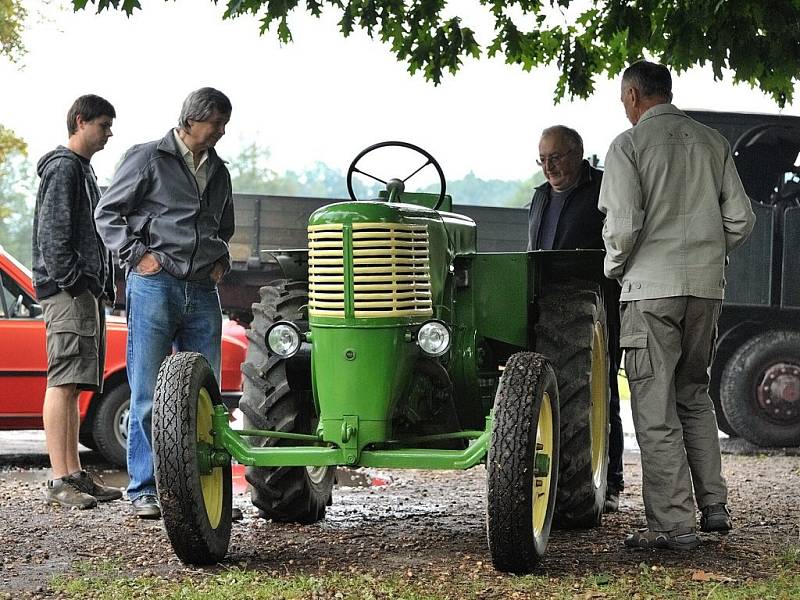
(675, 208)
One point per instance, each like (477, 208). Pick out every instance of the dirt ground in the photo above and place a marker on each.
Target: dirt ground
(398, 521)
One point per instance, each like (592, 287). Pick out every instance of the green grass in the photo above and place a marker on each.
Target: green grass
(643, 582)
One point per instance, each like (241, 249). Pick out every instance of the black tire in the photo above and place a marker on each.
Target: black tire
(715, 391)
(110, 428)
(85, 436)
(521, 498)
(760, 375)
(196, 508)
(287, 494)
(571, 333)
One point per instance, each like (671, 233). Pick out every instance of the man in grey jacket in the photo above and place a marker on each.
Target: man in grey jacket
(675, 208)
(73, 277)
(168, 214)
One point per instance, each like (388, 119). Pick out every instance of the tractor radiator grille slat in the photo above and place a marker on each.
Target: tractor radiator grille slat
(326, 270)
(390, 270)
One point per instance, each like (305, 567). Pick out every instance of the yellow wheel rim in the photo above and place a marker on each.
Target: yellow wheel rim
(599, 415)
(541, 479)
(210, 484)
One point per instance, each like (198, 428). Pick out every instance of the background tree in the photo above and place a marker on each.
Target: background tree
(16, 176)
(758, 40)
(17, 189)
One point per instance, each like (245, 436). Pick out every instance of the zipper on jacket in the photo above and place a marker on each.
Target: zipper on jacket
(197, 218)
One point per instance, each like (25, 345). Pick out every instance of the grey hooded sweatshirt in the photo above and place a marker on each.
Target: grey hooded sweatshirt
(67, 252)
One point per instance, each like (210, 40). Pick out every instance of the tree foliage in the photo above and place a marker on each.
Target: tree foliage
(17, 186)
(12, 18)
(758, 40)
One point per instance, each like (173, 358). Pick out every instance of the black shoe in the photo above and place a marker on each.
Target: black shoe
(146, 507)
(236, 514)
(88, 485)
(717, 518)
(677, 540)
(612, 502)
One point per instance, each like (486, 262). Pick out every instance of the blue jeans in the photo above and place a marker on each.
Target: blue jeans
(164, 313)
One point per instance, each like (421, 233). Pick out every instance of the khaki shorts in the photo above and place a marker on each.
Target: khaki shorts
(76, 340)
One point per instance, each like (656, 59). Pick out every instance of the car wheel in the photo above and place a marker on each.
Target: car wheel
(110, 429)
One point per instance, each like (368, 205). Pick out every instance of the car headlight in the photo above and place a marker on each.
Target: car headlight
(433, 338)
(283, 338)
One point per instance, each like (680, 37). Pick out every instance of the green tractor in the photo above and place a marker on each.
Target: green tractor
(394, 344)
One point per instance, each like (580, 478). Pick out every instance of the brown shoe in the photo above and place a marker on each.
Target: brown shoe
(63, 492)
(88, 485)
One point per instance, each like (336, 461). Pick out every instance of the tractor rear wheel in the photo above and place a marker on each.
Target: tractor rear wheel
(522, 463)
(571, 333)
(195, 501)
(288, 494)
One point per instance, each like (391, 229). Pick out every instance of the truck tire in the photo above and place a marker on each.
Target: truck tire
(195, 506)
(714, 390)
(110, 428)
(571, 333)
(288, 494)
(522, 464)
(761, 389)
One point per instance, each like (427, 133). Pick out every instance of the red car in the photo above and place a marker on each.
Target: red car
(23, 368)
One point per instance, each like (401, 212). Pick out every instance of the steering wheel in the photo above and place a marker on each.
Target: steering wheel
(395, 186)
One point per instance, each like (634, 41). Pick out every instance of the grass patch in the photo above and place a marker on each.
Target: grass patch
(108, 580)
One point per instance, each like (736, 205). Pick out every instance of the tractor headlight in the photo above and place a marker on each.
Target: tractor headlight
(433, 338)
(283, 338)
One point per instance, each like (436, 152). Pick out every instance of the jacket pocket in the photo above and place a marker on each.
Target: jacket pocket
(638, 365)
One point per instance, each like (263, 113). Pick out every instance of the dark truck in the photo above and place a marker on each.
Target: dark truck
(755, 377)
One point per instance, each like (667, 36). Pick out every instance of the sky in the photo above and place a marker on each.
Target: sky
(319, 98)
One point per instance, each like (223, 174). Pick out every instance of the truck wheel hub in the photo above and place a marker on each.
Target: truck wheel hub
(779, 392)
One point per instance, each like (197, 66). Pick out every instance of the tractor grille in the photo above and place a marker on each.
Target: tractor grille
(391, 276)
(390, 271)
(325, 270)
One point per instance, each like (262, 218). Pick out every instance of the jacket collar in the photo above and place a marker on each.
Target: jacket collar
(170, 146)
(661, 109)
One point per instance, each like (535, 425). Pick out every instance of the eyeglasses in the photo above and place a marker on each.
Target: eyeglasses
(553, 159)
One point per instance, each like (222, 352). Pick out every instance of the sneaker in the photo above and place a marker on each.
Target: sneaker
(87, 484)
(64, 492)
(679, 540)
(612, 501)
(716, 517)
(146, 507)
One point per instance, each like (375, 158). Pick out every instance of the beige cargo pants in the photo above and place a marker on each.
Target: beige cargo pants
(668, 345)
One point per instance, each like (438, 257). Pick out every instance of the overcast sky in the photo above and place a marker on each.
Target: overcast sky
(321, 97)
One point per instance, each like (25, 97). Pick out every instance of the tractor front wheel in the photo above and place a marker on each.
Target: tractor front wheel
(522, 464)
(195, 497)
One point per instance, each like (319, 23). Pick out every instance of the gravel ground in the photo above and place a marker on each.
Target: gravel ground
(398, 521)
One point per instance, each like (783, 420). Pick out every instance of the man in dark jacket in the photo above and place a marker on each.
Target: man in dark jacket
(563, 216)
(168, 214)
(73, 277)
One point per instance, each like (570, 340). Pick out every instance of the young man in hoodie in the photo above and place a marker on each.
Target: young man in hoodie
(168, 213)
(73, 278)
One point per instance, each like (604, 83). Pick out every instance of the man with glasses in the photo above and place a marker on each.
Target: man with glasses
(564, 216)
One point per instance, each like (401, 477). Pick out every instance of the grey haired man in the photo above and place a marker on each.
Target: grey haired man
(168, 214)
